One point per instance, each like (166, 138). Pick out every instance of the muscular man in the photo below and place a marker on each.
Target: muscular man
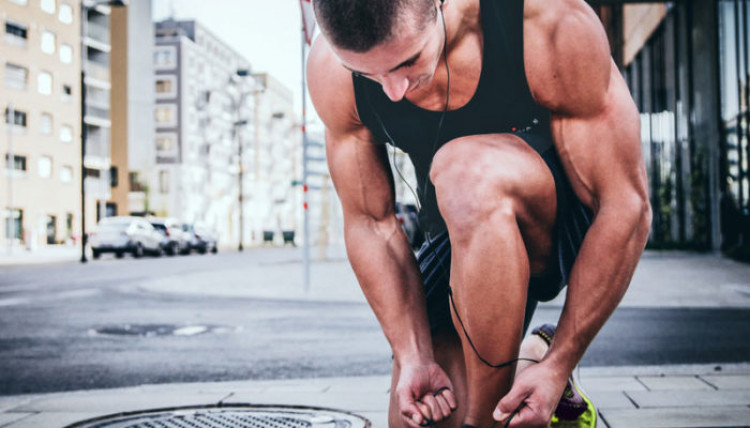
(530, 176)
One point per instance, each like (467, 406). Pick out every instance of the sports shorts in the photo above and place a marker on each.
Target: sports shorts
(571, 224)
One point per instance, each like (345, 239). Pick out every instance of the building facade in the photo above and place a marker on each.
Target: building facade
(686, 64)
(40, 96)
(226, 140)
(133, 149)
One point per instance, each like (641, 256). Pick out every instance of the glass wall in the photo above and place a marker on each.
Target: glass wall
(734, 67)
(658, 78)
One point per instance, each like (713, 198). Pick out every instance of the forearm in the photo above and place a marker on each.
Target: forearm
(387, 272)
(599, 279)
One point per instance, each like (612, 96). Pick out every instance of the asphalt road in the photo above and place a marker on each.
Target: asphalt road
(71, 327)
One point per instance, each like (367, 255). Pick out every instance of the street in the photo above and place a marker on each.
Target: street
(240, 316)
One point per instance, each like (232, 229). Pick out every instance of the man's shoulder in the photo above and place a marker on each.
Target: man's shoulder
(330, 85)
(567, 54)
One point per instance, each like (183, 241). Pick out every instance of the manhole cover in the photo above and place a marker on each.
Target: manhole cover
(152, 330)
(229, 417)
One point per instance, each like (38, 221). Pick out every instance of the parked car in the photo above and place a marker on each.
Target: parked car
(122, 235)
(201, 239)
(174, 241)
(408, 216)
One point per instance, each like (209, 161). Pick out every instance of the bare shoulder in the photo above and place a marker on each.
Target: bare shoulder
(567, 56)
(331, 89)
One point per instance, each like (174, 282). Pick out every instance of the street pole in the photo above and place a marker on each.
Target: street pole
(10, 166)
(84, 135)
(306, 246)
(239, 151)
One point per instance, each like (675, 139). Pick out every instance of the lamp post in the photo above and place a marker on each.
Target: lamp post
(85, 6)
(258, 88)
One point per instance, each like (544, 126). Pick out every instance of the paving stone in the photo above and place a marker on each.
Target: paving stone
(377, 419)
(662, 383)
(610, 400)
(687, 398)
(51, 420)
(7, 418)
(104, 402)
(728, 381)
(611, 383)
(677, 417)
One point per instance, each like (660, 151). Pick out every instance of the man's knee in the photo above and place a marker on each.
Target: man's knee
(474, 181)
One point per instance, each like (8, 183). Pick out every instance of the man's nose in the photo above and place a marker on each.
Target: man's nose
(395, 87)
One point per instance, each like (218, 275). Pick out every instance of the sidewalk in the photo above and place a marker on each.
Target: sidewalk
(638, 396)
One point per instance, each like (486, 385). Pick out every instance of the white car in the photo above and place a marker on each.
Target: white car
(122, 235)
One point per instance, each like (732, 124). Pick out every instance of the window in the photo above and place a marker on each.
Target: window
(18, 119)
(45, 167)
(48, 42)
(45, 124)
(165, 143)
(113, 181)
(66, 133)
(165, 57)
(14, 224)
(165, 115)
(44, 83)
(67, 92)
(16, 33)
(92, 173)
(21, 2)
(166, 87)
(66, 174)
(16, 77)
(48, 6)
(66, 54)
(66, 14)
(164, 182)
(18, 164)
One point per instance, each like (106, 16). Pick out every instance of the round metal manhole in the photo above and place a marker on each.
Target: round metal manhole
(235, 416)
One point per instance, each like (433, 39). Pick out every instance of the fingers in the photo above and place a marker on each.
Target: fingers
(430, 409)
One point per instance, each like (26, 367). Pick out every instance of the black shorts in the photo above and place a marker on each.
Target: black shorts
(572, 223)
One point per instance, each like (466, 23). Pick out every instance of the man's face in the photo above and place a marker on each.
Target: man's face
(403, 64)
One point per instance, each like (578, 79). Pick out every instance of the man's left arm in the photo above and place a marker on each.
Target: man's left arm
(596, 128)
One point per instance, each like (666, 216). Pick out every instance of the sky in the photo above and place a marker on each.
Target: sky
(268, 33)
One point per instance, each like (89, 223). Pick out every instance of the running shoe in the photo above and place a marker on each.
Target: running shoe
(575, 409)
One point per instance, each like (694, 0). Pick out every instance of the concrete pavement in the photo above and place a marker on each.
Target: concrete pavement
(640, 396)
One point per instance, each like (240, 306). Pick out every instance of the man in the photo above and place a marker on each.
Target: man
(526, 147)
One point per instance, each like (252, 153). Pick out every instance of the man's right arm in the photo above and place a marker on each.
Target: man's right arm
(378, 249)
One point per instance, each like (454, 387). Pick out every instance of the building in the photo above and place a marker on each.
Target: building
(274, 204)
(40, 96)
(213, 164)
(133, 149)
(686, 64)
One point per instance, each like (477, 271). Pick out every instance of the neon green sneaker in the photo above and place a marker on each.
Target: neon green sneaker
(568, 413)
(575, 409)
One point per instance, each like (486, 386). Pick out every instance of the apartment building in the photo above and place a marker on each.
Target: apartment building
(133, 126)
(40, 97)
(273, 203)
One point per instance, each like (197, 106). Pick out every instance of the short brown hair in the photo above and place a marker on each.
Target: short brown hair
(360, 25)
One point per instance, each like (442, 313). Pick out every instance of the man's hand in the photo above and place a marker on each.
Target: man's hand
(533, 398)
(425, 394)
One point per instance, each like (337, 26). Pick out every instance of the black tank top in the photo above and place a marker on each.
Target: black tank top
(502, 103)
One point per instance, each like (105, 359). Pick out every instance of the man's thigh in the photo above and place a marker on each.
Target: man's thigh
(474, 175)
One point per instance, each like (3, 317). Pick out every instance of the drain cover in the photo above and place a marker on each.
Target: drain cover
(229, 417)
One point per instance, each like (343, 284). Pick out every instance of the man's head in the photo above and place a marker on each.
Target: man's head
(360, 25)
(397, 43)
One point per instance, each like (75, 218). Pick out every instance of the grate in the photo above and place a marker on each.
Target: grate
(230, 417)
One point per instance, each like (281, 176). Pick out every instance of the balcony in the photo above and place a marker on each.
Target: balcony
(96, 187)
(97, 32)
(97, 71)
